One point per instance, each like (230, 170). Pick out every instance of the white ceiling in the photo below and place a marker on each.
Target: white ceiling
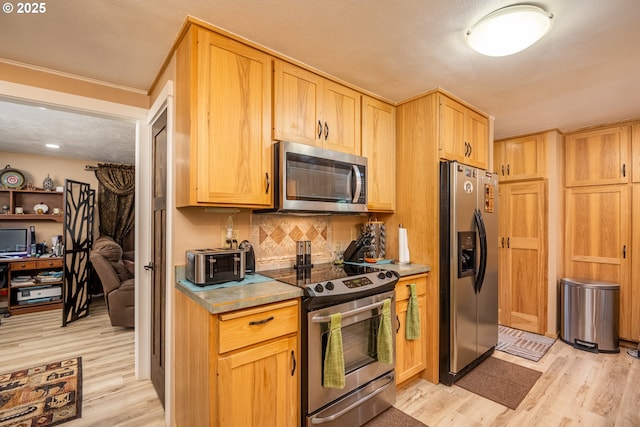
(584, 72)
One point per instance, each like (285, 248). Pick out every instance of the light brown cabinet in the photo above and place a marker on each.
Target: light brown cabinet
(312, 110)
(597, 240)
(238, 368)
(522, 253)
(32, 267)
(223, 122)
(597, 157)
(411, 355)
(379, 147)
(634, 332)
(464, 133)
(520, 158)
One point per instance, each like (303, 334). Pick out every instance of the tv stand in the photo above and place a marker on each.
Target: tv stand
(31, 267)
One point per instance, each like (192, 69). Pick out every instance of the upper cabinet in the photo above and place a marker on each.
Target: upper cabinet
(520, 158)
(464, 133)
(310, 109)
(223, 122)
(379, 147)
(597, 157)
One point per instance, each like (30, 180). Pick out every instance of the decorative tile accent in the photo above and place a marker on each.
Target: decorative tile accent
(277, 236)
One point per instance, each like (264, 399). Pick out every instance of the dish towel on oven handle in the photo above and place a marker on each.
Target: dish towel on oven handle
(385, 339)
(334, 355)
(412, 326)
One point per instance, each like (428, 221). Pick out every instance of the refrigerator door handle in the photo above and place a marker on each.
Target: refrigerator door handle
(483, 251)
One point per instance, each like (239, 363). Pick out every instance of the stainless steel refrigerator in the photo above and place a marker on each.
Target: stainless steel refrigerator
(468, 268)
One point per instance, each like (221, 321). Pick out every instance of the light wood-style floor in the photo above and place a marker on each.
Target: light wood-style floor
(111, 395)
(577, 388)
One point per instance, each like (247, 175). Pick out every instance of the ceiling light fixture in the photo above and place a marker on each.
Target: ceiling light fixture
(52, 146)
(509, 30)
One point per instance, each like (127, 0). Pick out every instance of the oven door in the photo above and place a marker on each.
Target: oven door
(360, 321)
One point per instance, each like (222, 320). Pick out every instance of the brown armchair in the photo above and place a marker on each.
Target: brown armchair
(117, 279)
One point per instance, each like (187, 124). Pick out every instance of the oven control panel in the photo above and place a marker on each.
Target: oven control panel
(351, 284)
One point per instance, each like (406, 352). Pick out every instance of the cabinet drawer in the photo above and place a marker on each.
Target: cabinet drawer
(49, 263)
(246, 327)
(27, 265)
(402, 288)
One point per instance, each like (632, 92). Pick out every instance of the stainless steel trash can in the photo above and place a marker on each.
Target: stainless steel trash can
(590, 313)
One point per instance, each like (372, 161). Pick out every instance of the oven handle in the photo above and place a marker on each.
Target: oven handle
(327, 319)
(353, 405)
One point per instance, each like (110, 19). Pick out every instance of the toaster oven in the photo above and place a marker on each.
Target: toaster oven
(211, 266)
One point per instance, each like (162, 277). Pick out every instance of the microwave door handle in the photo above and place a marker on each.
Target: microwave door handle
(358, 177)
(212, 261)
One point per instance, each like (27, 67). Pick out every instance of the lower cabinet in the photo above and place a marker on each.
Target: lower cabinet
(238, 368)
(415, 357)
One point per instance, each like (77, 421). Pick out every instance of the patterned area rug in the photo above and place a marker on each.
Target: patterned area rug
(42, 396)
(393, 417)
(524, 344)
(503, 382)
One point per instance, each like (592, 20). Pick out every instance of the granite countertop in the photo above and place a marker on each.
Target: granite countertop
(257, 289)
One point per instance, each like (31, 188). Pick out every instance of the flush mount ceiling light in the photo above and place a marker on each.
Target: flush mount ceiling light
(509, 30)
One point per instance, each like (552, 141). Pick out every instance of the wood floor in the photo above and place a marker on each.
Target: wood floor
(576, 388)
(111, 395)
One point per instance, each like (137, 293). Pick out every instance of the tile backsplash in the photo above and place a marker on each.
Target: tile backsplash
(274, 239)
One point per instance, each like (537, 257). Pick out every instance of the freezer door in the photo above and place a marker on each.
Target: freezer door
(464, 199)
(487, 296)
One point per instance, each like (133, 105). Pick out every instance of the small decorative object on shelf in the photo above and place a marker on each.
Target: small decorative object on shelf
(47, 184)
(41, 208)
(5, 209)
(11, 178)
(19, 210)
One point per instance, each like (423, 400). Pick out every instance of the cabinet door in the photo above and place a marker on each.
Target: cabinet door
(341, 111)
(477, 137)
(260, 385)
(379, 147)
(597, 240)
(410, 354)
(634, 333)
(522, 158)
(523, 286)
(297, 105)
(597, 157)
(499, 159)
(635, 152)
(233, 119)
(451, 142)
(464, 133)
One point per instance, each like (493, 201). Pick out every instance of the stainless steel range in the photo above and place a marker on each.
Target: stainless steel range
(358, 293)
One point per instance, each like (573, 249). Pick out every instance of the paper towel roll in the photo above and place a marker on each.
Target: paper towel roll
(403, 246)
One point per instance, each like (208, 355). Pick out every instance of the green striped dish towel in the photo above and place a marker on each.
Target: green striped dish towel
(334, 356)
(385, 339)
(412, 326)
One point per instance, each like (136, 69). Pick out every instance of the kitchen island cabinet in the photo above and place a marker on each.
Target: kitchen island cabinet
(236, 368)
(223, 144)
(313, 110)
(379, 147)
(464, 133)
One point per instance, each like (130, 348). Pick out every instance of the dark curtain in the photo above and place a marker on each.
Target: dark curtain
(116, 196)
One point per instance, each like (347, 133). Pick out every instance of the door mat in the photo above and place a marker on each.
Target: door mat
(43, 396)
(393, 417)
(503, 382)
(523, 344)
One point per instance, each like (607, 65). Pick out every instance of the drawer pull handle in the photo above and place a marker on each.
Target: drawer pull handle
(261, 322)
(293, 358)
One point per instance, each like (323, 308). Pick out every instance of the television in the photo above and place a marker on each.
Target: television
(14, 242)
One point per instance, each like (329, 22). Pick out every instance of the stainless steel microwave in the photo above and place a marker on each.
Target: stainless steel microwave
(312, 179)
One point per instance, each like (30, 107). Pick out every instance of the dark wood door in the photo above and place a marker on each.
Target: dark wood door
(158, 276)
